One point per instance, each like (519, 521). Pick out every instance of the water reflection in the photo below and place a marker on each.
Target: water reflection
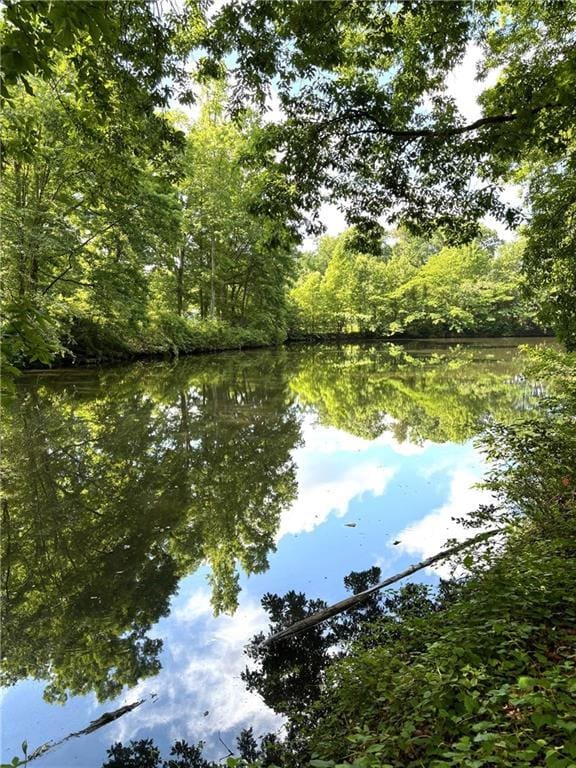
(413, 393)
(116, 486)
(119, 483)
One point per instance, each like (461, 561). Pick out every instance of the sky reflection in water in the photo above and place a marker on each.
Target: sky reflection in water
(310, 441)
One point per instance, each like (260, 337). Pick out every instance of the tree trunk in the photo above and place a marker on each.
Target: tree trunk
(212, 285)
(180, 283)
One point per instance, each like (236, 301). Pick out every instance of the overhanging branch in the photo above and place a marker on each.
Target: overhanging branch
(430, 133)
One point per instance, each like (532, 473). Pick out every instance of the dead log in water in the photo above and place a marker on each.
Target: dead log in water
(354, 600)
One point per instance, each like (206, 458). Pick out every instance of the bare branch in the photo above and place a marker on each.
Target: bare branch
(354, 600)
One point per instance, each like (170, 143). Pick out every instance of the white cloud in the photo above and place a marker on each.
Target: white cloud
(317, 500)
(405, 448)
(329, 440)
(204, 679)
(326, 440)
(333, 220)
(197, 606)
(274, 112)
(462, 83)
(428, 536)
(327, 481)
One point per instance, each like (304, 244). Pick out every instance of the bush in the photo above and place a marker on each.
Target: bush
(489, 681)
(175, 334)
(88, 339)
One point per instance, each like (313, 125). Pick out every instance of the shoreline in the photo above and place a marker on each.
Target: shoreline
(308, 340)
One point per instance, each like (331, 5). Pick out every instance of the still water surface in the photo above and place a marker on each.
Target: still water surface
(147, 509)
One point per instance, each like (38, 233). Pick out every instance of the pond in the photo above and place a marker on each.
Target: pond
(148, 508)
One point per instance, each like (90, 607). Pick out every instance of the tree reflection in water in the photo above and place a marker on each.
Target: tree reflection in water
(119, 482)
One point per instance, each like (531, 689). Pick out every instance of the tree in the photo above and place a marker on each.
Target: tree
(81, 83)
(145, 754)
(133, 44)
(551, 245)
(417, 287)
(368, 117)
(234, 253)
(239, 256)
(337, 286)
(80, 230)
(267, 751)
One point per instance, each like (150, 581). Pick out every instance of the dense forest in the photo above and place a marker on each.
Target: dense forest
(413, 286)
(164, 165)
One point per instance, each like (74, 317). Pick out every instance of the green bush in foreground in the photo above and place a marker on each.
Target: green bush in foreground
(489, 681)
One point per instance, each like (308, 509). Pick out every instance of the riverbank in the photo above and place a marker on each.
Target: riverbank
(88, 342)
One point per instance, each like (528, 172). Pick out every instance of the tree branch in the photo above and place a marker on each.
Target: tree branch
(430, 133)
(79, 247)
(354, 600)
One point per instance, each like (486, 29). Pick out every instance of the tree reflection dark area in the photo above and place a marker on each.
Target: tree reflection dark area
(289, 674)
(118, 485)
(120, 482)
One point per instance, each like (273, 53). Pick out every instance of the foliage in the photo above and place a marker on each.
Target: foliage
(131, 44)
(290, 675)
(235, 251)
(368, 119)
(17, 761)
(144, 754)
(112, 260)
(551, 245)
(418, 288)
(128, 230)
(490, 680)
(200, 219)
(172, 333)
(79, 230)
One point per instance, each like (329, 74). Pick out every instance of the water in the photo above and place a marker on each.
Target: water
(147, 508)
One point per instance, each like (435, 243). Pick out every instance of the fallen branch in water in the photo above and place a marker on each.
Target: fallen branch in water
(354, 600)
(107, 717)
